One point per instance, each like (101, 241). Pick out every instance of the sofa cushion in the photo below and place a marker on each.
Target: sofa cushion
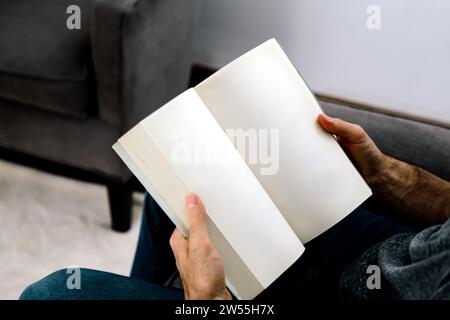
(42, 63)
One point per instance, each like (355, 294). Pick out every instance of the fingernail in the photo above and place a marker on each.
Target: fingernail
(191, 201)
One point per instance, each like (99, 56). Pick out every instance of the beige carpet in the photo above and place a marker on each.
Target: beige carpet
(49, 222)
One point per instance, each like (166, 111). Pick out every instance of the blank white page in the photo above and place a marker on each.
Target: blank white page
(238, 206)
(316, 184)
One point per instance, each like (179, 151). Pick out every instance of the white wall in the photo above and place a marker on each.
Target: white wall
(404, 66)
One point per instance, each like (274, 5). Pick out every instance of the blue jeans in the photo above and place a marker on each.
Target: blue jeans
(315, 275)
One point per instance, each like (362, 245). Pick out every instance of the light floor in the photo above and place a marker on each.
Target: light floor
(49, 222)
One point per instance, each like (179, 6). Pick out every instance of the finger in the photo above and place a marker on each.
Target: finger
(196, 217)
(347, 131)
(179, 245)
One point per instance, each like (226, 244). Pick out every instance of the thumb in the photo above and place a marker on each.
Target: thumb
(196, 216)
(346, 131)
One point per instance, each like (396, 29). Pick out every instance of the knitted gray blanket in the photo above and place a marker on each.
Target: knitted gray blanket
(412, 266)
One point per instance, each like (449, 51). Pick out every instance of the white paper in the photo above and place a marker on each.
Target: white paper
(235, 200)
(316, 185)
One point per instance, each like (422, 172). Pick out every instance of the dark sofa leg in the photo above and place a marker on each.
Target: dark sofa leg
(119, 196)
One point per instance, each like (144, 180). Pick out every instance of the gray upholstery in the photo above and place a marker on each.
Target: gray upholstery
(415, 142)
(42, 63)
(132, 42)
(80, 143)
(133, 55)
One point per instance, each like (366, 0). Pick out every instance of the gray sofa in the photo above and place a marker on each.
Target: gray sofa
(67, 95)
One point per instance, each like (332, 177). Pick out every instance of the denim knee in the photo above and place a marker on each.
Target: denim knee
(48, 288)
(95, 285)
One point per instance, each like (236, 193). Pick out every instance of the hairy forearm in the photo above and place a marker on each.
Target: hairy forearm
(415, 195)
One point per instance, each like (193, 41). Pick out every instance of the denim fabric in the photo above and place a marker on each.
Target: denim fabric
(154, 260)
(315, 275)
(97, 285)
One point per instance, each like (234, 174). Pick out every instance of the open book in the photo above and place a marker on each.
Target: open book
(289, 183)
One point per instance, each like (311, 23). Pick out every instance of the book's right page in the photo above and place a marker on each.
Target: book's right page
(303, 169)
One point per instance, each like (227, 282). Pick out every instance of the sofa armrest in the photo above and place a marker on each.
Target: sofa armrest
(141, 54)
(417, 142)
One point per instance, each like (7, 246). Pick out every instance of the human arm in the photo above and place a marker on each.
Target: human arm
(414, 195)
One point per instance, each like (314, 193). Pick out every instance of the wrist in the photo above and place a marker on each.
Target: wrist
(382, 173)
(393, 176)
(226, 295)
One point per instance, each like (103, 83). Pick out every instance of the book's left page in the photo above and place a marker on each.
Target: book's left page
(181, 148)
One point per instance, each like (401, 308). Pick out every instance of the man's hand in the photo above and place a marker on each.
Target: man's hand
(198, 262)
(414, 195)
(369, 160)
